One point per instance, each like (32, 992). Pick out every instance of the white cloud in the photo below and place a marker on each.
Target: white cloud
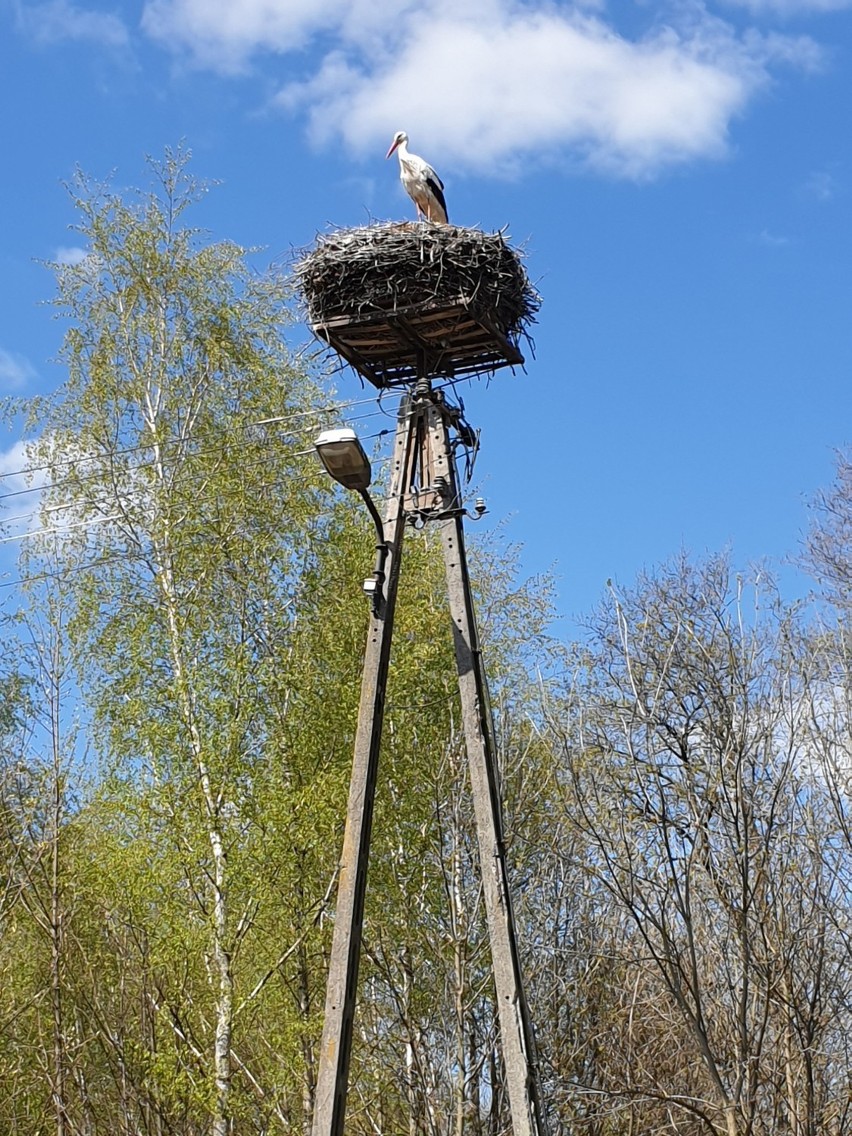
(822, 185)
(15, 370)
(29, 468)
(69, 255)
(789, 8)
(484, 84)
(223, 34)
(541, 84)
(772, 240)
(58, 20)
(21, 488)
(14, 461)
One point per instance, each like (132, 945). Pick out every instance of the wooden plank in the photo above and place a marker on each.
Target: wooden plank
(376, 315)
(388, 346)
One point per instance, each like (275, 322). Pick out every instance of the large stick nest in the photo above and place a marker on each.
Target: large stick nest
(389, 268)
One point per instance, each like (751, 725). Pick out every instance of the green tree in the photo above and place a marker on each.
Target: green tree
(188, 523)
(210, 602)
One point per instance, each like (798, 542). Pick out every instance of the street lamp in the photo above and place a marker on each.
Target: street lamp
(344, 459)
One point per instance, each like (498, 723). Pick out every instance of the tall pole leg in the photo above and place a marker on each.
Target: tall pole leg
(516, 1033)
(336, 1045)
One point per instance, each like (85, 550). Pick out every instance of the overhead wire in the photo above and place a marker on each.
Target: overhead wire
(198, 500)
(127, 556)
(123, 556)
(66, 571)
(167, 442)
(314, 413)
(201, 476)
(81, 478)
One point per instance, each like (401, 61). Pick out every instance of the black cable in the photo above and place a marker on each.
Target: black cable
(315, 413)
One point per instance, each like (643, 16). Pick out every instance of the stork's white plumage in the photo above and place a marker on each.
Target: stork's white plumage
(420, 181)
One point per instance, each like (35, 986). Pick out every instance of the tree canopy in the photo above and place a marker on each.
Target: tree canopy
(180, 692)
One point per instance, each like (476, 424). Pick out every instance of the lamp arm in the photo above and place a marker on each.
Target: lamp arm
(374, 513)
(381, 552)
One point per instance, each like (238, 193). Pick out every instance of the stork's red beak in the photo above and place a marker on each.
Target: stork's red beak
(394, 145)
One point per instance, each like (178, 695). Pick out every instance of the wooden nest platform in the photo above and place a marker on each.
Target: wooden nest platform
(398, 301)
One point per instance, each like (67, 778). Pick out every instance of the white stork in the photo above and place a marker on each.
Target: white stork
(420, 181)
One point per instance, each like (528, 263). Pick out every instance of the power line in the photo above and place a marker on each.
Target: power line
(98, 522)
(94, 523)
(109, 454)
(315, 413)
(276, 482)
(128, 556)
(67, 571)
(187, 482)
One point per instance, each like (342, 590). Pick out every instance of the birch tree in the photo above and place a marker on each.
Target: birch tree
(191, 526)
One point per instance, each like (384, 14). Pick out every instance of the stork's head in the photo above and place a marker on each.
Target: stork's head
(398, 138)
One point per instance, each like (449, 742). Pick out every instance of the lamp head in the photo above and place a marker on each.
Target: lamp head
(344, 459)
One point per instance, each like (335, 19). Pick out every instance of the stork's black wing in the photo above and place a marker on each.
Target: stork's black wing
(436, 188)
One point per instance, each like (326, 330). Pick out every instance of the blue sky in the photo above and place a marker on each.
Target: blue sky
(678, 173)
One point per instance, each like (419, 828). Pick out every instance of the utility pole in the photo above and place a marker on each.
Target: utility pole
(336, 1045)
(516, 1032)
(424, 485)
